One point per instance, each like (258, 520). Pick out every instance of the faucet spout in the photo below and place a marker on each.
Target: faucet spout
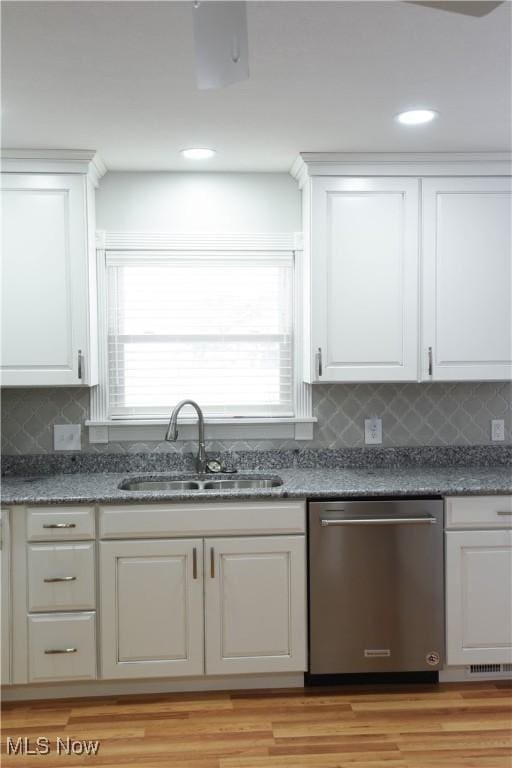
(172, 431)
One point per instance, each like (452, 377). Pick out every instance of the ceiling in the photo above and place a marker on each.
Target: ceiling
(118, 77)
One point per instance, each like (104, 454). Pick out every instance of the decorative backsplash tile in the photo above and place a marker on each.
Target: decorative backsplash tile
(412, 415)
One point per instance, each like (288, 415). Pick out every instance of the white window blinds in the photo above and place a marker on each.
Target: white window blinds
(215, 328)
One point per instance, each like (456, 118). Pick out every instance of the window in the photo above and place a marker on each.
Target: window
(213, 317)
(215, 327)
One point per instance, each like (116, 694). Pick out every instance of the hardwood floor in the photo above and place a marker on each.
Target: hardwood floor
(445, 726)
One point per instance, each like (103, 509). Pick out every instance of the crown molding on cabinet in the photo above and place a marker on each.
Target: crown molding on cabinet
(310, 164)
(86, 161)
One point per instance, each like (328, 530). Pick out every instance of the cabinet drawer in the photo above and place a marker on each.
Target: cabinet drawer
(55, 523)
(62, 647)
(150, 521)
(479, 512)
(61, 577)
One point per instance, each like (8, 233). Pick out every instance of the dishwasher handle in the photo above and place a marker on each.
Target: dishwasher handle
(325, 521)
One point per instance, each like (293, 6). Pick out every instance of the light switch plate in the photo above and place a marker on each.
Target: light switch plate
(373, 431)
(497, 430)
(67, 437)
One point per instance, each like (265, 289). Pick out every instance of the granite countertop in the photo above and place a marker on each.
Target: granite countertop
(298, 483)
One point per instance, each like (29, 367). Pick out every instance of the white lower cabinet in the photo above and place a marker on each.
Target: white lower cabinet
(167, 603)
(479, 597)
(164, 591)
(255, 604)
(54, 610)
(151, 608)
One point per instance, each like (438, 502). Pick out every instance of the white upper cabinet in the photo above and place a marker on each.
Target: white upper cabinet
(48, 291)
(43, 288)
(388, 296)
(467, 274)
(364, 279)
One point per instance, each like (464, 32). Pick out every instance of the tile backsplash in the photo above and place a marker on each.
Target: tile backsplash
(412, 415)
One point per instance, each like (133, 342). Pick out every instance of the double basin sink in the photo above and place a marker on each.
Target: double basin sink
(200, 483)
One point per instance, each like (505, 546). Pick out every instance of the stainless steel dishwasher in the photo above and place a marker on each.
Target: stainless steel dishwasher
(376, 586)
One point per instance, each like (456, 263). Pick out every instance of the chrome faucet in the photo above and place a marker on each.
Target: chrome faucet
(172, 431)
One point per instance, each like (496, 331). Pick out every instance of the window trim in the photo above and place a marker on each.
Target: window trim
(102, 429)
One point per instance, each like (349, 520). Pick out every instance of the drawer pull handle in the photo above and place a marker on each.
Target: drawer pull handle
(59, 578)
(504, 512)
(327, 521)
(52, 651)
(59, 525)
(212, 563)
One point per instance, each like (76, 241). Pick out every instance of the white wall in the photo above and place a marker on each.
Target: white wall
(198, 202)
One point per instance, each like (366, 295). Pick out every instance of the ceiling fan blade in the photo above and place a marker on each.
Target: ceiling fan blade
(466, 7)
(221, 43)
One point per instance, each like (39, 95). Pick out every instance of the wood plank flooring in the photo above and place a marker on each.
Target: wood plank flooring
(444, 726)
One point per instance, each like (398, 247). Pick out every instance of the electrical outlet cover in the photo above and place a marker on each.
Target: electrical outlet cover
(67, 437)
(373, 431)
(497, 430)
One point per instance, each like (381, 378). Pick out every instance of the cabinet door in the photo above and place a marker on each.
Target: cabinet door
(467, 273)
(364, 279)
(5, 595)
(45, 279)
(151, 608)
(255, 592)
(479, 597)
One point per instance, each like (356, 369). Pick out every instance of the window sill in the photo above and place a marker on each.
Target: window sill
(142, 430)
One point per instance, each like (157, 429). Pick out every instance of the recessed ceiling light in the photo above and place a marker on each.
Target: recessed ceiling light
(416, 116)
(198, 153)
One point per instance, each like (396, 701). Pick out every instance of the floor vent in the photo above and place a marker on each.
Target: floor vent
(489, 670)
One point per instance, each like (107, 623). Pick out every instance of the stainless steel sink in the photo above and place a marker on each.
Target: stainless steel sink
(160, 485)
(261, 482)
(200, 483)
